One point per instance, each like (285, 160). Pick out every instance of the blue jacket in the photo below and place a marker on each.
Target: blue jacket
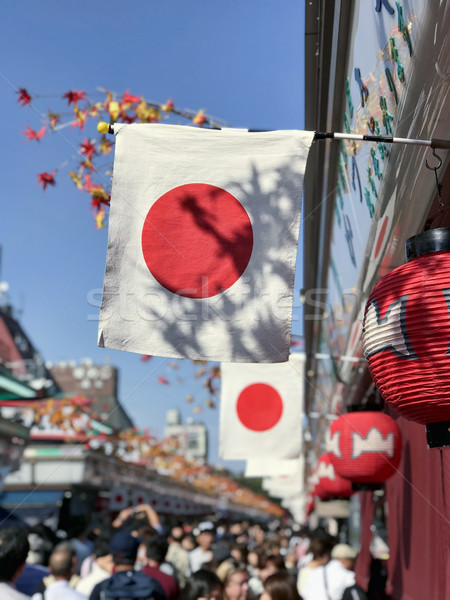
(128, 585)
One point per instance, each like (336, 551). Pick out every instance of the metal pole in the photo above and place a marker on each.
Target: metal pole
(433, 143)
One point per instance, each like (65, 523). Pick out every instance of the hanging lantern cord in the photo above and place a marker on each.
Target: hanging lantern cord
(438, 185)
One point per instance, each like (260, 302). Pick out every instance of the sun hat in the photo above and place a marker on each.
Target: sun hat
(343, 551)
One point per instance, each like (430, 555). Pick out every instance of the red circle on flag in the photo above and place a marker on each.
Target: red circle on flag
(259, 407)
(197, 240)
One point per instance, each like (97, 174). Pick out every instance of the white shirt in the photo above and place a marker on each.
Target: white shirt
(88, 583)
(197, 557)
(337, 577)
(60, 590)
(9, 592)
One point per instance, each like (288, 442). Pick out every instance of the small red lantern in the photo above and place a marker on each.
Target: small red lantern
(365, 447)
(330, 484)
(407, 335)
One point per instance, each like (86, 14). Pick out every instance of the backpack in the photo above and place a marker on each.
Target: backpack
(131, 585)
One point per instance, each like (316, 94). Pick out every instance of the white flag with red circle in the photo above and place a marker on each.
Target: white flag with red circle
(203, 234)
(261, 410)
(269, 467)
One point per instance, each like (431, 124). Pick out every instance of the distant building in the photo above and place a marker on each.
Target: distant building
(192, 437)
(19, 357)
(94, 381)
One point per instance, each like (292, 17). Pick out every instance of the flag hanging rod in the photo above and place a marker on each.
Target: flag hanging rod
(433, 143)
(103, 127)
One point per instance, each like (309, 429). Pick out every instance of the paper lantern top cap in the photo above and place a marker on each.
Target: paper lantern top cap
(427, 242)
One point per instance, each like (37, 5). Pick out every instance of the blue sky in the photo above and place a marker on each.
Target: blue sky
(241, 61)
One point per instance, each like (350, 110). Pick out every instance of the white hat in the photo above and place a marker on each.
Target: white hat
(343, 551)
(206, 526)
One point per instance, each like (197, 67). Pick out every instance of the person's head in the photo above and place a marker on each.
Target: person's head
(61, 564)
(67, 546)
(254, 557)
(188, 542)
(204, 585)
(124, 547)
(258, 534)
(157, 547)
(280, 586)
(345, 554)
(14, 548)
(206, 535)
(236, 584)
(271, 564)
(320, 546)
(102, 553)
(176, 534)
(239, 552)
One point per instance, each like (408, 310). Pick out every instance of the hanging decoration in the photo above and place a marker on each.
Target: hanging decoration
(364, 447)
(407, 335)
(330, 484)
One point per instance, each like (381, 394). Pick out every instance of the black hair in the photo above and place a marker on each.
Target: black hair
(14, 548)
(157, 547)
(200, 584)
(101, 546)
(282, 586)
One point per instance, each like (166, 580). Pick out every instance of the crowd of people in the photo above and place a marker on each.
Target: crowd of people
(137, 557)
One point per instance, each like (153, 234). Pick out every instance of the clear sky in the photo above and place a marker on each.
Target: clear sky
(240, 60)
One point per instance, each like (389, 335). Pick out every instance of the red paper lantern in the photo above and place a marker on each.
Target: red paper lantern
(407, 335)
(365, 447)
(330, 484)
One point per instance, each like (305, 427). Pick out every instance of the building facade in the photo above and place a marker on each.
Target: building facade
(375, 68)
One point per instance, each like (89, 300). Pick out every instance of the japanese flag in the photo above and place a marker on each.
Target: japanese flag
(281, 487)
(203, 234)
(261, 410)
(266, 467)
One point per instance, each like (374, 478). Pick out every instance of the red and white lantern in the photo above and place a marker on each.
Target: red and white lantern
(407, 335)
(330, 484)
(364, 447)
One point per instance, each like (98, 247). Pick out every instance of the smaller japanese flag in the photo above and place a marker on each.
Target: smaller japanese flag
(268, 467)
(285, 486)
(203, 236)
(261, 410)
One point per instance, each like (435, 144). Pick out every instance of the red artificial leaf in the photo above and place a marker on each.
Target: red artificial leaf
(34, 135)
(46, 179)
(74, 96)
(88, 186)
(128, 98)
(128, 118)
(199, 118)
(168, 106)
(99, 197)
(163, 380)
(24, 97)
(87, 148)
